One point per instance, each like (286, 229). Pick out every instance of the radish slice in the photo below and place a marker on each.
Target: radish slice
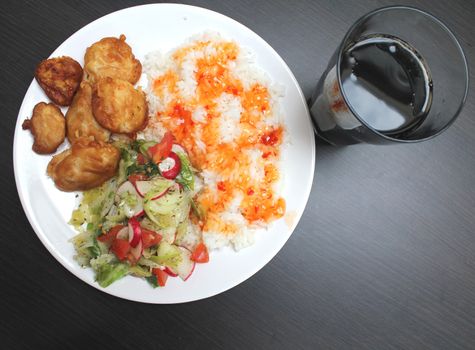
(126, 187)
(139, 214)
(168, 234)
(137, 250)
(123, 233)
(135, 232)
(170, 167)
(125, 190)
(161, 194)
(143, 187)
(170, 272)
(186, 266)
(136, 211)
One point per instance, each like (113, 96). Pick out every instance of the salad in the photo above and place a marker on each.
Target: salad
(144, 221)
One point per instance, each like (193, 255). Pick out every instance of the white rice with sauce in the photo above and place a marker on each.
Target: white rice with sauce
(233, 138)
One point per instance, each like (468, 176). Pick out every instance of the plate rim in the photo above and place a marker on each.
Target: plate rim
(249, 273)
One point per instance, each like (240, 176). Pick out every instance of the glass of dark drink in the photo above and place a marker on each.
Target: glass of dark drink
(399, 75)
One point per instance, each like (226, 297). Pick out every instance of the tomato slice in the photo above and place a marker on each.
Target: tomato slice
(121, 248)
(161, 275)
(150, 238)
(161, 150)
(110, 236)
(133, 178)
(200, 254)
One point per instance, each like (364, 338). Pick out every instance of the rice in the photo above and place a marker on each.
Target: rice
(230, 108)
(226, 113)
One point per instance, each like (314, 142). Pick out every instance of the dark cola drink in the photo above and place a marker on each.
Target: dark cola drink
(398, 76)
(386, 83)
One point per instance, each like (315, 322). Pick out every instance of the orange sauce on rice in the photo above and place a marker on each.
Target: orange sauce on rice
(229, 160)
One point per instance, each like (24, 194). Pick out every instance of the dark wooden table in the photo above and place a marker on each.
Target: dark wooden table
(383, 258)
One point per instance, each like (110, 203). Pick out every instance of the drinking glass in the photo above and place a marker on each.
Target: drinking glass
(398, 76)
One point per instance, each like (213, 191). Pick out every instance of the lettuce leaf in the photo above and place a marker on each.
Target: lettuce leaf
(106, 274)
(185, 177)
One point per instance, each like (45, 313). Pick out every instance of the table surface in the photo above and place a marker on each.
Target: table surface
(383, 257)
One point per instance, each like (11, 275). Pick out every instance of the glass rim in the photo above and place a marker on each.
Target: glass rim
(443, 26)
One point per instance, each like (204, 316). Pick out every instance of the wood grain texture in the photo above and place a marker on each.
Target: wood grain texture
(383, 258)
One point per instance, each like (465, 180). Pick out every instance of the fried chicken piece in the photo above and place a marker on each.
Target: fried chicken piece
(118, 106)
(48, 127)
(79, 118)
(111, 57)
(59, 77)
(87, 164)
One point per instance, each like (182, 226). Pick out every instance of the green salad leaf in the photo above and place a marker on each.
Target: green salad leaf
(142, 146)
(168, 255)
(185, 177)
(197, 209)
(166, 207)
(127, 159)
(95, 250)
(94, 205)
(153, 281)
(106, 274)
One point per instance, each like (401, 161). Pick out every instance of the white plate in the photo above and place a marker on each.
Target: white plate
(163, 27)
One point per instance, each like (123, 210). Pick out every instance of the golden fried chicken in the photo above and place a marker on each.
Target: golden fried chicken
(118, 106)
(87, 164)
(111, 57)
(59, 77)
(48, 126)
(79, 118)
